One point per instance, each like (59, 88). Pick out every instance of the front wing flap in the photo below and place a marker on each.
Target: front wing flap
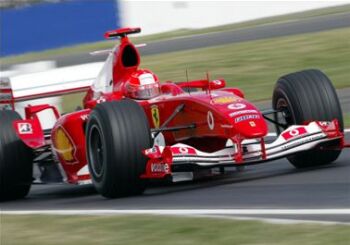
(163, 161)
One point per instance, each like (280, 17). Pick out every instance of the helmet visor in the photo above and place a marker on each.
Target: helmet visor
(144, 92)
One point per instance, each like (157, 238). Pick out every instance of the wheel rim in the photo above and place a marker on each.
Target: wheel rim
(286, 115)
(96, 151)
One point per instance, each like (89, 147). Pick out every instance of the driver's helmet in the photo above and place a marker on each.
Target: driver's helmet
(142, 85)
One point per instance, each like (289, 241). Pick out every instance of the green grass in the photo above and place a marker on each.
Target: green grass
(86, 48)
(256, 65)
(161, 230)
(347, 120)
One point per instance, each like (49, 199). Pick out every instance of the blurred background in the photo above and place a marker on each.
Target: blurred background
(245, 42)
(36, 25)
(250, 44)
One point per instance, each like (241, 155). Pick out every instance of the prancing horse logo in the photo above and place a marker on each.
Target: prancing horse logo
(155, 116)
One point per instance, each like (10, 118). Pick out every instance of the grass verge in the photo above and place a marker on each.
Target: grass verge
(86, 48)
(347, 120)
(256, 65)
(154, 230)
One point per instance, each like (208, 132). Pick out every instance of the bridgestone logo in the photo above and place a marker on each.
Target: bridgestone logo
(302, 141)
(236, 113)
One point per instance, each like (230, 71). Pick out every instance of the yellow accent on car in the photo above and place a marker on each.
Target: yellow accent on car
(155, 116)
(225, 100)
(63, 145)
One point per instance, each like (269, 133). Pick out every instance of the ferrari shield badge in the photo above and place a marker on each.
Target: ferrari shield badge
(155, 116)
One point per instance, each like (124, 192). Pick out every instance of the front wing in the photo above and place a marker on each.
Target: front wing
(163, 161)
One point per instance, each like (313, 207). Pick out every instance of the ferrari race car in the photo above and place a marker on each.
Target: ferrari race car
(134, 128)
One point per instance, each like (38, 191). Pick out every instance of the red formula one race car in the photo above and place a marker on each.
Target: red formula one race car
(134, 128)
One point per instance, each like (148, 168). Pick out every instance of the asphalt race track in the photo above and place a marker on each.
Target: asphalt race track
(275, 185)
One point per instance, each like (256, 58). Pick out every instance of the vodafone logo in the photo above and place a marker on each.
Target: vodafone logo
(294, 133)
(210, 120)
(236, 106)
(183, 150)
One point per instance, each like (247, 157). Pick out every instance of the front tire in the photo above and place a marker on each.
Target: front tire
(116, 134)
(303, 97)
(16, 160)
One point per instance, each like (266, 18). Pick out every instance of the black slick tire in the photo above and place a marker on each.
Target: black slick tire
(307, 96)
(116, 134)
(16, 160)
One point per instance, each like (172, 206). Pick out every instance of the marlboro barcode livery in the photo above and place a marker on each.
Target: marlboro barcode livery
(134, 128)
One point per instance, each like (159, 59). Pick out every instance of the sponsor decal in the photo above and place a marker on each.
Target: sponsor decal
(293, 133)
(84, 117)
(183, 150)
(155, 116)
(246, 117)
(236, 106)
(64, 146)
(252, 124)
(210, 120)
(217, 82)
(160, 168)
(225, 100)
(301, 142)
(236, 113)
(25, 128)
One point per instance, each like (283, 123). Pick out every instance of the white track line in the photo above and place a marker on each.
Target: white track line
(209, 213)
(282, 221)
(189, 212)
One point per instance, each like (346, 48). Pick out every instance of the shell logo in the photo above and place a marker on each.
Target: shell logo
(64, 145)
(225, 100)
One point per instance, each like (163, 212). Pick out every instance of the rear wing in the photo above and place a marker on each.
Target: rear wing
(56, 82)
(122, 32)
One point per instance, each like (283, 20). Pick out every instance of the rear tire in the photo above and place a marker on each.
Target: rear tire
(16, 160)
(116, 134)
(308, 96)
